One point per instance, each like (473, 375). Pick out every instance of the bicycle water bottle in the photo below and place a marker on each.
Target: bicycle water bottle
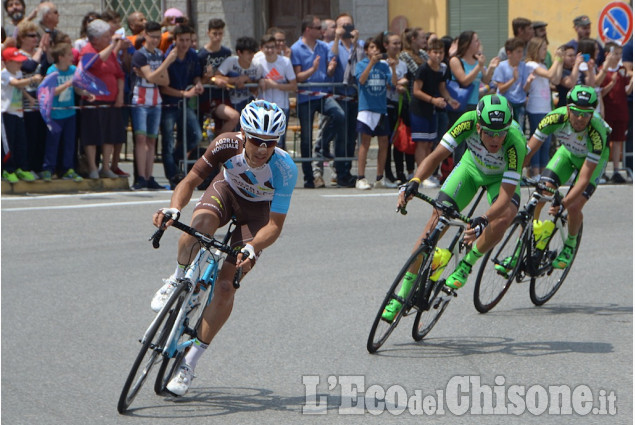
(440, 259)
(542, 232)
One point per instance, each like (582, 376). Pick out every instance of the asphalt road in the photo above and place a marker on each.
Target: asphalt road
(78, 275)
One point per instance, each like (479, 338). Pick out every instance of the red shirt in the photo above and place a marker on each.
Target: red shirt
(615, 100)
(109, 72)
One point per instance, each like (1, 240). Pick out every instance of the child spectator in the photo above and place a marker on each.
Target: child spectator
(278, 78)
(215, 101)
(373, 77)
(184, 72)
(538, 90)
(65, 118)
(428, 94)
(616, 84)
(241, 71)
(570, 70)
(392, 45)
(150, 72)
(510, 76)
(14, 155)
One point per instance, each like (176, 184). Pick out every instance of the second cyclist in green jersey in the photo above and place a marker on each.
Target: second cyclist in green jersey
(582, 135)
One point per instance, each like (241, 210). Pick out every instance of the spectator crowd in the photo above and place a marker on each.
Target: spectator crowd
(157, 79)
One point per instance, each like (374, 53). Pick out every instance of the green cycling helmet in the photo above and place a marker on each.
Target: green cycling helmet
(494, 113)
(582, 96)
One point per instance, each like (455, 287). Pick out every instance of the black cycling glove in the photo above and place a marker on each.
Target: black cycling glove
(479, 224)
(412, 187)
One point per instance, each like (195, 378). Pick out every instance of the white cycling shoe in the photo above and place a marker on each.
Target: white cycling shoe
(163, 294)
(181, 381)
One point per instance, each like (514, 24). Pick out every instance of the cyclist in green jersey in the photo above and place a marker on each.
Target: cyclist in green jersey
(582, 135)
(493, 159)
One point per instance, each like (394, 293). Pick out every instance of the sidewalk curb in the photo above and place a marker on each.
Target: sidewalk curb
(65, 186)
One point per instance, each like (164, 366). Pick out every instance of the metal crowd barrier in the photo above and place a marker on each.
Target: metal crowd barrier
(303, 88)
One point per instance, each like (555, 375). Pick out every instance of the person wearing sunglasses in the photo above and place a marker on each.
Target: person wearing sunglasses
(493, 158)
(255, 186)
(583, 148)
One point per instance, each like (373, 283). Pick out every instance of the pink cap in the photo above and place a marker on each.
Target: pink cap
(173, 13)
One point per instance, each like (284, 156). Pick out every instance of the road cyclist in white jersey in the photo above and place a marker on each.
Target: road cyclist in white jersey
(255, 187)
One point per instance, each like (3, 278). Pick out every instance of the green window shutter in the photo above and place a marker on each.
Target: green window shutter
(487, 17)
(150, 8)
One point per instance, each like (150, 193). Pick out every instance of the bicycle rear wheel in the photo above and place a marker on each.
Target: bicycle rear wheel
(150, 352)
(543, 287)
(188, 329)
(382, 328)
(492, 284)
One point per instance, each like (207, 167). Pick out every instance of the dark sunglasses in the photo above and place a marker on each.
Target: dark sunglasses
(581, 113)
(490, 133)
(33, 35)
(270, 143)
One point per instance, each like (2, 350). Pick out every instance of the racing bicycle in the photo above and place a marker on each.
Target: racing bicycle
(174, 327)
(521, 255)
(427, 298)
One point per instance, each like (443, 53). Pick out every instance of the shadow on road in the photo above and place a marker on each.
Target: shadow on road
(220, 401)
(557, 309)
(461, 346)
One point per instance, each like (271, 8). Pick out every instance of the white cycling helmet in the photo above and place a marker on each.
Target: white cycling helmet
(263, 118)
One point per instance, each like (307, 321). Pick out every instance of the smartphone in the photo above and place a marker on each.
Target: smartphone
(384, 56)
(586, 56)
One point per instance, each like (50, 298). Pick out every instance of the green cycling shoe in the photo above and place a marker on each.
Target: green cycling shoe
(563, 260)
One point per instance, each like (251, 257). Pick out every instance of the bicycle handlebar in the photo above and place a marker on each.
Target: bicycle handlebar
(447, 210)
(537, 184)
(207, 241)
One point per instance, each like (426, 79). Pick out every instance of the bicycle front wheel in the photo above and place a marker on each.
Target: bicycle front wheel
(545, 286)
(499, 267)
(430, 309)
(382, 328)
(150, 352)
(188, 329)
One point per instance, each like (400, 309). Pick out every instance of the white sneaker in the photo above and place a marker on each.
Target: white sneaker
(362, 184)
(384, 183)
(163, 295)
(434, 180)
(430, 183)
(182, 381)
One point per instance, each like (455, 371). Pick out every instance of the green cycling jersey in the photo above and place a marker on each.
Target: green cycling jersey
(508, 161)
(589, 143)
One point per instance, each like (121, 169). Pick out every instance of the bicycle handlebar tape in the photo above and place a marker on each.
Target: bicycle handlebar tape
(156, 237)
(237, 277)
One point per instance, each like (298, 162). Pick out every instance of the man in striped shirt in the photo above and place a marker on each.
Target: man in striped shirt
(150, 71)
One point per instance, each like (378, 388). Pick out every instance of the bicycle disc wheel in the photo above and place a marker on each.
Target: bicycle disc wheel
(545, 286)
(188, 329)
(491, 284)
(150, 351)
(381, 328)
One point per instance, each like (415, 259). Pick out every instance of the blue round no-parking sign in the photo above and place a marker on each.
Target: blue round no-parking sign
(616, 22)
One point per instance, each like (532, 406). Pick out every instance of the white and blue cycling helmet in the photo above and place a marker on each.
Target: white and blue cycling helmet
(262, 118)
